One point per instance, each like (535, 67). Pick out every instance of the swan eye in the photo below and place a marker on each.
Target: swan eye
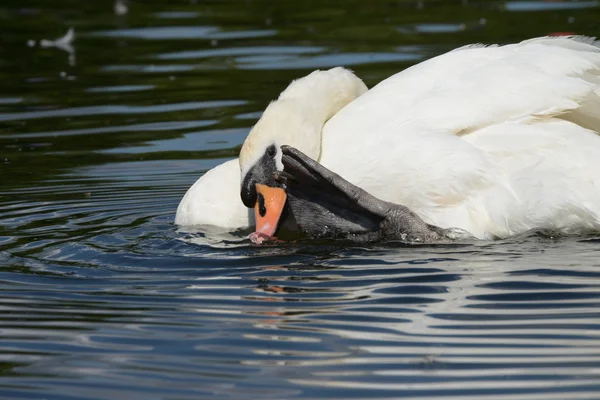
(271, 151)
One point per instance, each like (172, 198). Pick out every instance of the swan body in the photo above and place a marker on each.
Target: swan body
(492, 140)
(215, 200)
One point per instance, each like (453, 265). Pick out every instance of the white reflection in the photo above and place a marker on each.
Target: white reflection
(549, 5)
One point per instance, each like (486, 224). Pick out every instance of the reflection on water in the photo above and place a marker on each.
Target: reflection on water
(549, 5)
(101, 297)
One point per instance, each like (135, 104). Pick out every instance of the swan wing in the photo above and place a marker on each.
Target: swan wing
(473, 87)
(405, 140)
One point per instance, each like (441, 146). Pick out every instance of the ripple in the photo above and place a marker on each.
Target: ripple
(119, 89)
(118, 109)
(350, 321)
(252, 115)
(432, 28)
(549, 5)
(147, 127)
(176, 14)
(282, 62)
(102, 297)
(148, 69)
(11, 100)
(183, 32)
(205, 140)
(239, 51)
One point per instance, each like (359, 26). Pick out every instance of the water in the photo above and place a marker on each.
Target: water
(101, 297)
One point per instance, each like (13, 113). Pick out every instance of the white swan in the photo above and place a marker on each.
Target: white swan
(492, 140)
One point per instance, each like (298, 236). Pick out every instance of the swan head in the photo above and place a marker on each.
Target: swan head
(295, 119)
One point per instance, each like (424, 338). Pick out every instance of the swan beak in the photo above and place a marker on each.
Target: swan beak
(268, 208)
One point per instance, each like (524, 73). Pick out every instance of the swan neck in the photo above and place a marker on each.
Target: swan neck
(297, 117)
(323, 93)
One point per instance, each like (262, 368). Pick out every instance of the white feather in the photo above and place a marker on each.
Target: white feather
(495, 140)
(412, 134)
(215, 200)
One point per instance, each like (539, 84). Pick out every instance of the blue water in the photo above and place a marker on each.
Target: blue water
(102, 297)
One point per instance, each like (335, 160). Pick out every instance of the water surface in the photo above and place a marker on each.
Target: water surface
(102, 297)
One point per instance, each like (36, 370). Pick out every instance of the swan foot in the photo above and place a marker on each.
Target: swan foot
(325, 205)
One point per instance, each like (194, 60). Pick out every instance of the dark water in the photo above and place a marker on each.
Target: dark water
(102, 298)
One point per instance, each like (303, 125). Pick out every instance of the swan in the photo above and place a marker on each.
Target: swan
(491, 140)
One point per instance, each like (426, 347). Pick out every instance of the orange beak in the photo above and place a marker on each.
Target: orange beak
(268, 208)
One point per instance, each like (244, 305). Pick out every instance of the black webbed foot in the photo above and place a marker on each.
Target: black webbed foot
(327, 206)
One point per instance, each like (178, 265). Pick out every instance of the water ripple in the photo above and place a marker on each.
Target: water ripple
(549, 5)
(183, 32)
(118, 109)
(239, 51)
(102, 297)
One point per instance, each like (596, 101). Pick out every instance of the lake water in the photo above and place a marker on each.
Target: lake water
(101, 297)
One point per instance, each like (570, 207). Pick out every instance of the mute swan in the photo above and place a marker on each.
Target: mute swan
(491, 140)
